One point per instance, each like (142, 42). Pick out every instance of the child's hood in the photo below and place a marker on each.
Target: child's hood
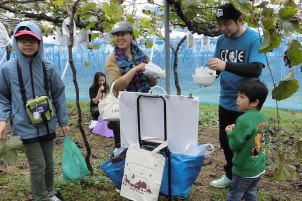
(34, 28)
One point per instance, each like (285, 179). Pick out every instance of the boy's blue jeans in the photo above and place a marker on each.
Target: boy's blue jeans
(245, 188)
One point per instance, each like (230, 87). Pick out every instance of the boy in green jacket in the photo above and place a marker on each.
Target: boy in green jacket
(247, 139)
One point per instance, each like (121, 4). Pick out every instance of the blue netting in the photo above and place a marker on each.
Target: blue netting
(189, 59)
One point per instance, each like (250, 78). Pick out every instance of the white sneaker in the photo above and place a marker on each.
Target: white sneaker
(221, 183)
(54, 198)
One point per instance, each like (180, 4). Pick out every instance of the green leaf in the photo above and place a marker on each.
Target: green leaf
(2, 147)
(299, 149)
(149, 44)
(276, 1)
(190, 3)
(267, 23)
(294, 53)
(94, 36)
(284, 170)
(145, 22)
(87, 63)
(10, 156)
(285, 89)
(290, 3)
(287, 12)
(272, 38)
(242, 5)
(267, 12)
(289, 25)
(15, 143)
(58, 2)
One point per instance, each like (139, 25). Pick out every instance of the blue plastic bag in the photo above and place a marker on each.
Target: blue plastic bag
(115, 171)
(184, 171)
(74, 166)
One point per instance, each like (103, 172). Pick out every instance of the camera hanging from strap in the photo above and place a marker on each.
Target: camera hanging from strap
(23, 91)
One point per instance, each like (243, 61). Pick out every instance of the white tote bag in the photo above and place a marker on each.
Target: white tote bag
(109, 107)
(143, 173)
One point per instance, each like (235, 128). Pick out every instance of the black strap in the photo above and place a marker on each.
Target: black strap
(21, 83)
(23, 92)
(46, 85)
(45, 122)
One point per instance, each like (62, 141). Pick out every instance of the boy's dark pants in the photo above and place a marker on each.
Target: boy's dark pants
(40, 159)
(226, 117)
(245, 188)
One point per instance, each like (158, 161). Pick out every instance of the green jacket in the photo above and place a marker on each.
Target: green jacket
(248, 141)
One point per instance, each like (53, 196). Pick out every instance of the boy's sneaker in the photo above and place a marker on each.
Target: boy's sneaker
(221, 183)
(54, 198)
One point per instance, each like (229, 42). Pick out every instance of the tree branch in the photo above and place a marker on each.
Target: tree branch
(41, 16)
(207, 30)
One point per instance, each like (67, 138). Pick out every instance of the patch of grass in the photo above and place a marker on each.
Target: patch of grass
(208, 116)
(218, 194)
(14, 186)
(263, 196)
(289, 121)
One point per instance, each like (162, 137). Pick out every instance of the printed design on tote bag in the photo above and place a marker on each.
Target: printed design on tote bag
(139, 186)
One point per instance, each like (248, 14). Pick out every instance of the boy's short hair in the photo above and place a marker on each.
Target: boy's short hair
(227, 12)
(254, 89)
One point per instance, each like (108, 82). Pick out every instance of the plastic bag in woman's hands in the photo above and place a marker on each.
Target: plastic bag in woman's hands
(154, 70)
(73, 164)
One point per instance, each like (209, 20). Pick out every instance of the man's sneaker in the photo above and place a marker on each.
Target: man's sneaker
(221, 183)
(54, 198)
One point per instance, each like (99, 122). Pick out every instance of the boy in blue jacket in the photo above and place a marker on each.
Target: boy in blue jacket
(247, 139)
(25, 79)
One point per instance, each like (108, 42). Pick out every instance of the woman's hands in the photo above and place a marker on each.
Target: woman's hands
(140, 67)
(101, 89)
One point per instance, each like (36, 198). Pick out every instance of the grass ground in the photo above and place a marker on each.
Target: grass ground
(14, 180)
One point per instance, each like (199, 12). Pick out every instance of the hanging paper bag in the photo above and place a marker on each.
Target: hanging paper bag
(109, 107)
(142, 174)
(73, 164)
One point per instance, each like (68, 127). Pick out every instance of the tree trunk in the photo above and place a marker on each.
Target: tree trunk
(75, 82)
(175, 64)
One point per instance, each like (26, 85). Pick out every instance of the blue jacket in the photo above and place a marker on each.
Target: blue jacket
(11, 104)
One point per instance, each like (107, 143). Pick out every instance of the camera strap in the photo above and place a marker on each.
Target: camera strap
(23, 92)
